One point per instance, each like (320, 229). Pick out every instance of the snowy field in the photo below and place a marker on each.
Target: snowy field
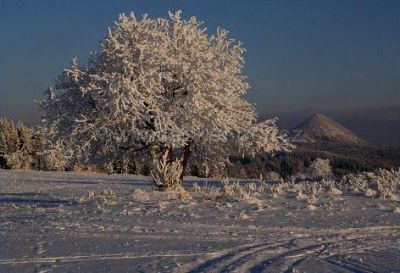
(86, 222)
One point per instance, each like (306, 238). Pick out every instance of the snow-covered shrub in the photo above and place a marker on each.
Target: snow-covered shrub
(140, 195)
(19, 161)
(53, 160)
(319, 169)
(303, 188)
(87, 197)
(108, 193)
(248, 192)
(180, 193)
(276, 190)
(382, 183)
(97, 196)
(273, 177)
(166, 174)
(209, 192)
(231, 190)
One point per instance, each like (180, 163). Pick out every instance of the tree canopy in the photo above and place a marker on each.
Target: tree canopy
(158, 84)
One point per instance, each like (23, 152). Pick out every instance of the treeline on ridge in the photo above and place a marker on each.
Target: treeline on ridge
(22, 147)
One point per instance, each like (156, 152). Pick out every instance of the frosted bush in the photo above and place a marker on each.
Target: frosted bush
(273, 177)
(87, 197)
(210, 192)
(166, 175)
(251, 188)
(231, 190)
(382, 183)
(19, 161)
(53, 160)
(239, 192)
(98, 197)
(108, 193)
(276, 190)
(299, 189)
(319, 169)
(140, 195)
(180, 193)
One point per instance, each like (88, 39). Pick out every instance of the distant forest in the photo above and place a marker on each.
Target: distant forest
(22, 147)
(344, 159)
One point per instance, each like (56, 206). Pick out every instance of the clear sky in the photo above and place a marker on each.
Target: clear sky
(300, 54)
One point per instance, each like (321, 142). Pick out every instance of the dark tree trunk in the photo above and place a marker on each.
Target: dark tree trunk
(186, 154)
(170, 158)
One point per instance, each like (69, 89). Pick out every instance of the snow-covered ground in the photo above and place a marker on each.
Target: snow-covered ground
(86, 222)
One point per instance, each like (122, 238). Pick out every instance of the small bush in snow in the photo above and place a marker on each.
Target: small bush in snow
(382, 183)
(166, 175)
(303, 188)
(98, 197)
(205, 191)
(180, 193)
(273, 177)
(53, 160)
(249, 192)
(235, 190)
(19, 161)
(320, 169)
(140, 195)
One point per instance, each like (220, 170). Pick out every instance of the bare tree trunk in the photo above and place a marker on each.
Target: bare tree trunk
(170, 158)
(186, 154)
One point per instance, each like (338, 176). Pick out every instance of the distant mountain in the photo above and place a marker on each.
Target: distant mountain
(379, 125)
(320, 128)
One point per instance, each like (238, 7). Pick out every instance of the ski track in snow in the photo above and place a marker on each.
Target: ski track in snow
(288, 255)
(282, 256)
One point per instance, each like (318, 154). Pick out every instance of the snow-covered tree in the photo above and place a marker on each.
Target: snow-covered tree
(9, 141)
(25, 138)
(158, 86)
(16, 149)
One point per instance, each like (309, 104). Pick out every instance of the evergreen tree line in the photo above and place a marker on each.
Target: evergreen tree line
(298, 161)
(22, 147)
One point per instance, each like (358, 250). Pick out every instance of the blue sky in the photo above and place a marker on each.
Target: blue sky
(300, 54)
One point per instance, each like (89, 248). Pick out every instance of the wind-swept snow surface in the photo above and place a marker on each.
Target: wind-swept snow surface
(85, 222)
